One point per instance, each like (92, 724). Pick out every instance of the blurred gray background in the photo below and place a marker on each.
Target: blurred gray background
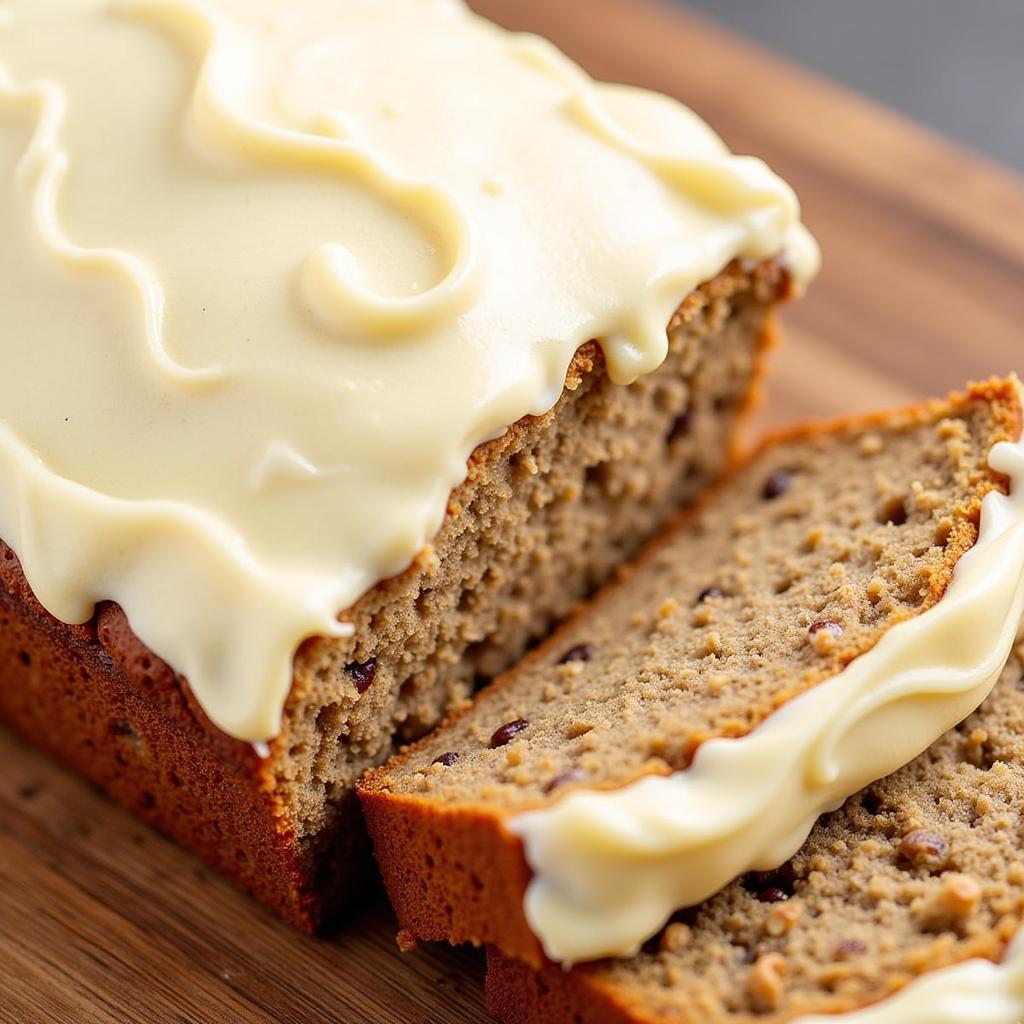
(957, 65)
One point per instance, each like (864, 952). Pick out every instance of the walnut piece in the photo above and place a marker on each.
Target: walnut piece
(766, 986)
(925, 849)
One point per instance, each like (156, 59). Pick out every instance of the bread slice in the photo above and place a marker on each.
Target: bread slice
(543, 518)
(916, 873)
(800, 564)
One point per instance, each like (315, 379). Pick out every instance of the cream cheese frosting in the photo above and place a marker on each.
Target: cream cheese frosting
(610, 867)
(976, 991)
(270, 271)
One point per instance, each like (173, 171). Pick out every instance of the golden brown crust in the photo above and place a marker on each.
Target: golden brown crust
(62, 687)
(434, 895)
(517, 994)
(480, 900)
(96, 697)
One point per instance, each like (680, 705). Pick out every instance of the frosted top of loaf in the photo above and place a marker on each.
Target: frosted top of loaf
(270, 271)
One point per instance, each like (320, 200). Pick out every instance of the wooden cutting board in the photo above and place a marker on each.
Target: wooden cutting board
(923, 287)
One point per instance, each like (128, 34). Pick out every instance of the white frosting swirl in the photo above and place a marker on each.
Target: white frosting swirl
(269, 272)
(609, 867)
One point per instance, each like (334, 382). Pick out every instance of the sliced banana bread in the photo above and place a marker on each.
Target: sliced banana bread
(916, 873)
(801, 563)
(542, 519)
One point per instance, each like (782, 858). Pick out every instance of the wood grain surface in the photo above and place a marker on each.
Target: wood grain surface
(923, 287)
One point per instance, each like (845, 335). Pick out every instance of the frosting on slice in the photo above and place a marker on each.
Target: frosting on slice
(611, 866)
(976, 991)
(271, 269)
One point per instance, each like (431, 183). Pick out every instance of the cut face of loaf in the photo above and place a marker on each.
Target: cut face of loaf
(916, 873)
(545, 515)
(797, 567)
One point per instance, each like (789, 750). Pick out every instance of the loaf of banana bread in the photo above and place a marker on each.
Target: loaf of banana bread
(543, 517)
(346, 347)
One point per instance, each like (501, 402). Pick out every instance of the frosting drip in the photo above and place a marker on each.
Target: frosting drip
(610, 867)
(270, 271)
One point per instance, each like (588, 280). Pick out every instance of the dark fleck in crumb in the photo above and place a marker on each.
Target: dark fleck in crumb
(506, 732)
(777, 484)
(363, 673)
(572, 775)
(827, 626)
(581, 652)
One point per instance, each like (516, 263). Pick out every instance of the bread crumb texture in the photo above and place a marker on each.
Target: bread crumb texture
(545, 516)
(917, 872)
(797, 565)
